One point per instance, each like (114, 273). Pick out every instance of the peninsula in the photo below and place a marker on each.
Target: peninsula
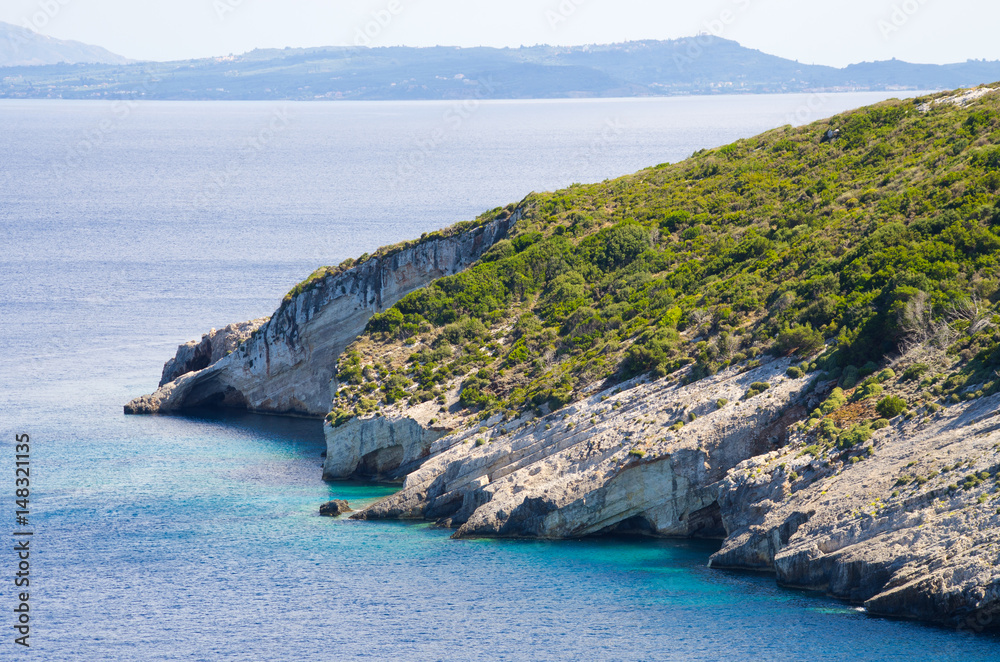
(790, 344)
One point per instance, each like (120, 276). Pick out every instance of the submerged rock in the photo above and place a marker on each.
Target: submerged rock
(335, 508)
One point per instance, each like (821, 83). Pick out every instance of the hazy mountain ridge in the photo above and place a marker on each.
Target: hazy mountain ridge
(700, 65)
(21, 47)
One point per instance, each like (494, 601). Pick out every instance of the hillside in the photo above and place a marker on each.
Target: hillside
(883, 239)
(20, 47)
(700, 65)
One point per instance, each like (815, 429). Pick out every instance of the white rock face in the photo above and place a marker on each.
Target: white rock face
(288, 365)
(376, 448)
(902, 531)
(909, 528)
(214, 346)
(609, 463)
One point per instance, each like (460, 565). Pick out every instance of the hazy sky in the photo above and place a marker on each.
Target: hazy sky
(827, 32)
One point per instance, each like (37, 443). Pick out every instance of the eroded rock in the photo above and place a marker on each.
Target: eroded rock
(287, 366)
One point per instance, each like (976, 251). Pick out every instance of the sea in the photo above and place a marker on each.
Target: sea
(127, 228)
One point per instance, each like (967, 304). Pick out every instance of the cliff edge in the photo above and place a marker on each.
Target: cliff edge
(286, 365)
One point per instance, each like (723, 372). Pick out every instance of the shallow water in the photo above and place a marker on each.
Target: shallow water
(197, 538)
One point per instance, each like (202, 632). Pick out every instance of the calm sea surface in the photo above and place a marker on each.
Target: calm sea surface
(127, 229)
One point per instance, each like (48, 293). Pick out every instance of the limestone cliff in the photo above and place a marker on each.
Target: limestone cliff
(641, 457)
(213, 346)
(906, 525)
(287, 365)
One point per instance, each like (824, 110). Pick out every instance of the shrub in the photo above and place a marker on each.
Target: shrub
(858, 434)
(721, 402)
(868, 391)
(834, 402)
(801, 338)
(886, 375)
(338, 417)
(850, 377)
(620, 246)
(794, 372)
(914, 371)
(891, 406)
(756, 389)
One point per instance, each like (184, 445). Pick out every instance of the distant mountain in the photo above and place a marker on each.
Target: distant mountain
(21, 47)
(698, 65)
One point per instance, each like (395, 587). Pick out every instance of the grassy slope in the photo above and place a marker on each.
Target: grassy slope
(886, 237)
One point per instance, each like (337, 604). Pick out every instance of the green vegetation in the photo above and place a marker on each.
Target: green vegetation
(882, 240)
(891, 406)
(756, 389)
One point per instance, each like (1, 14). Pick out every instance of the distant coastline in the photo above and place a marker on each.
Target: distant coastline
(695, 66)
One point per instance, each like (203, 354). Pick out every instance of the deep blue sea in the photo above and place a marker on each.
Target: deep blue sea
(127, 229)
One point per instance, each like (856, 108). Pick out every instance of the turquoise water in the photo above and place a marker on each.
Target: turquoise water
(197, 538)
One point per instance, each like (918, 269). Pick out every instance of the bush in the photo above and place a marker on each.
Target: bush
(338, 417)
(794, 372)
(756, 389)
(914, 371)
(801, 338)
(886, 375)
(620, 246)
(850, 377)
(834, 402)
(891, 406)
(868, 391)
(858, 434)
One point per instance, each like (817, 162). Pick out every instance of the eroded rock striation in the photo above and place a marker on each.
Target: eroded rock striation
(287, 364)
(909, 529)
(645, 456)
(214, 346)
(377, 448)
(906, 525)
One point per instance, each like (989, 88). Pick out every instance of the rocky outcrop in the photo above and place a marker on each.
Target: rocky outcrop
(617, 461)
(286, 367)
(376, 448)
(335, 508)
(213, 346)
(907, 525)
